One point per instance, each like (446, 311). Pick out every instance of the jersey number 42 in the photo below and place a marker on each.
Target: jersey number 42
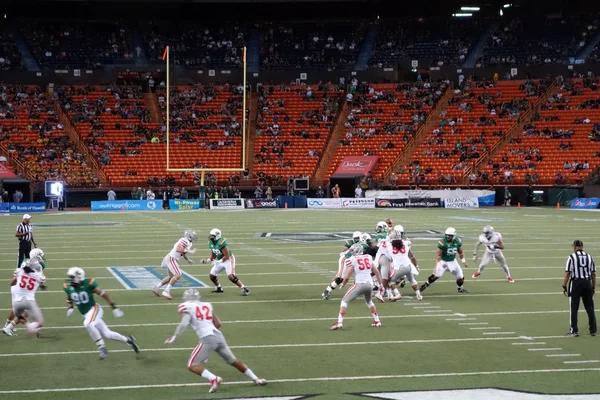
(203, 313)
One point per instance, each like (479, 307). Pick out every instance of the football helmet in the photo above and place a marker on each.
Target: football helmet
(399, 230)
(190, 235)
(37, 254)
(381, 227)
(488, 231)
(35, 265)
(356, 236)
(450, 234)
(356, 249)
(365, 238)
(76, 275)
(214, 235)
(191, 295)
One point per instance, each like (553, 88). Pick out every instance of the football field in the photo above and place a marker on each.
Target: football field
(498, 335)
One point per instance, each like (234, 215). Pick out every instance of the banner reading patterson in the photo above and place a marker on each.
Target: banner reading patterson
(355, 165)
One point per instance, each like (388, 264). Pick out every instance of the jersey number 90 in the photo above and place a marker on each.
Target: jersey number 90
(80, 298)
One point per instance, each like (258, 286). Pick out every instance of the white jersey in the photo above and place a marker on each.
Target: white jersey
(491, 243)
(183, 242)
(27, 285)
(362, 266)
(202, 317)
(399, 258)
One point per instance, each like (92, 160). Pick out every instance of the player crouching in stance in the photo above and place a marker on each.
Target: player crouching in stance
(343, 265)
(222, 259)
(206, 324)
(362, 266)
(448, 247)
(182, 248)
(404, 263)
(493, 251)
(24, 284)
(80, 291)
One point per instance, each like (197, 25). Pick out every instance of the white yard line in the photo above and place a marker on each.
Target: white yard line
(546, 349)
(498, 333)
(563, 355)
(473, 323)
(528, 343)
(582, 362)
(484, 328)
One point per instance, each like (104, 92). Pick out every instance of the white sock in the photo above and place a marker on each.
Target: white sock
(506, 271)
(168, 288)
(158, 286)
(388, 292)
(340, 318)
(417, 293)
(248, 372)
(208, 375)
(33, 326)
(8, 321)
(376, 317)
(100, 343)
(396, 292)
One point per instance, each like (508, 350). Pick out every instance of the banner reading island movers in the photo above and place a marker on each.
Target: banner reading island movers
(127, 205)
(408, 203)
(461, 202)
(226, 204)
(355, 165)
(184, 204)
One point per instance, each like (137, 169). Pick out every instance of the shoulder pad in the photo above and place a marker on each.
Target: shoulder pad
(91, 281)
(66, 285)
(222, 241)
(440, 243)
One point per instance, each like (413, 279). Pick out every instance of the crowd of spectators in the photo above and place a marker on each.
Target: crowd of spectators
(10, 57)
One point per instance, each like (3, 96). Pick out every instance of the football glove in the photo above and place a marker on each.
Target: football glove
(190, 261)
(117, 313)
(474, 257)
(43, 287)
(70, 311)
(170, 340)
(192, 251)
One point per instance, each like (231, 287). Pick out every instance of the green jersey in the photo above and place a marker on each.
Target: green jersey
(449, 250)
(83, 295)
(379, 237)
(217, 248)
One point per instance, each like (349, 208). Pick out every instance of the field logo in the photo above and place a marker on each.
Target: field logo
(147, 277)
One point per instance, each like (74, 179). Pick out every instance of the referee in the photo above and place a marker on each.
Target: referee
(25, 236)
(580, 276)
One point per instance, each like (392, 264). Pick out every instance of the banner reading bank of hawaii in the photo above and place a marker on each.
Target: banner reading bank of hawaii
(184, 204)
(127, 205)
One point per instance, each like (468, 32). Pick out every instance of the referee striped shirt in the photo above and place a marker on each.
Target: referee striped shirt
(24, 228)
(580, 265)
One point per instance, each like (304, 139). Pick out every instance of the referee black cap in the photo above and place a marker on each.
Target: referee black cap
(577, 243)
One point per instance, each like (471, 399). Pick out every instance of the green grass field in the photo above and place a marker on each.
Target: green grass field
(499, 335)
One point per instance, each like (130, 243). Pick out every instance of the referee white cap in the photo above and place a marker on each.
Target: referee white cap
(26, 216)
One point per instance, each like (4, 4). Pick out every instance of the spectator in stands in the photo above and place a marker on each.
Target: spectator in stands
(335, 191)
(269, 193)
(258, 193)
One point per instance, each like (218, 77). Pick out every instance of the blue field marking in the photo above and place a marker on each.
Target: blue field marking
(145, 277)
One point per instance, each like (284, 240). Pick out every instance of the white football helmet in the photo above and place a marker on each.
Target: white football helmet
(399, 231)
(34, 264)
(356, 249)
(214, 235)
(381, 227)
(76, 275)
(191, 295)
(356, 236)
(37, 254)
(488, 231)
(190, 235)
(365, 238)
(450, 234)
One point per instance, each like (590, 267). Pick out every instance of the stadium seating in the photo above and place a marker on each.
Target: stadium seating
(9, 54)
(533, 41)
(311, 46)
(445, 42)
(31, 131)
(560, 121)
(467, 130)
(384, 114)
(195, 45)
(295, 123)
(78, 44)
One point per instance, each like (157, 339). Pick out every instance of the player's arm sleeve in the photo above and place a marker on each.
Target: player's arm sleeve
(93, 284)
(185, 321)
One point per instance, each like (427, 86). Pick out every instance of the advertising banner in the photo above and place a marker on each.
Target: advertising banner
(357, 202)
(6, 173)
(27, 207)
(184, 204)
(4, 208)
(408, 203)
(585, 203)
(324, 203)
(355, 165)
(226, 204)
(127, 205)
(262, 203)
(461, 202)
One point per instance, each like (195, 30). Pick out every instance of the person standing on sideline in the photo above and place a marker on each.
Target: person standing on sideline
(335, 192)
(358, 192)
(61, 202)
(507, 196)
(112, 196)
(25, 236)
(580, 283)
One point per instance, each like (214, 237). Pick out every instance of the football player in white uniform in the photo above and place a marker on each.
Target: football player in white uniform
(182, 248)
(24, 285)
(404, 263)
(200, 316)
(361, 265)
(493, 251)
(343, 265)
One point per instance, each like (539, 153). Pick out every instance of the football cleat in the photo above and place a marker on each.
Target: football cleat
(245, 291)
(260, 382)
(462, 290)
(376, 324)
(572, 334)
(511, 280)
(103, 352)
(8, 331)
(419, 297)
(156, 292)
(476, 275)
(336, 326)
(218, 290)
(214, 384)
(131, 341)
(167, 295)
(593, 334)
(325, 295)
(379, 297)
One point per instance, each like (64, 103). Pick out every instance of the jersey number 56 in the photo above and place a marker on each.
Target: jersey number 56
(363, 264)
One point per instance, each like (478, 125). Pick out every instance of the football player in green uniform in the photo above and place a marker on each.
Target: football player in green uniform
(343, 265)
(447, 249)
(223, 260)
(80, 292)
